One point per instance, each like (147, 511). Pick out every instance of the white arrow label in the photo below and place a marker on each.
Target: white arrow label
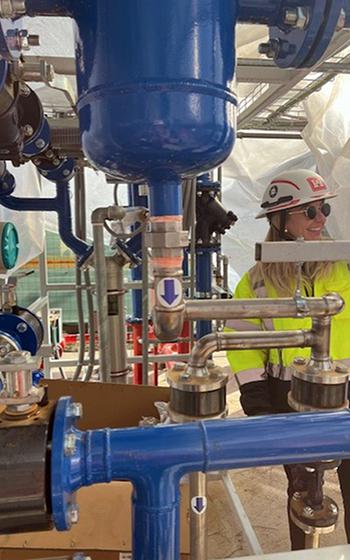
(199, 504)
(169, 292)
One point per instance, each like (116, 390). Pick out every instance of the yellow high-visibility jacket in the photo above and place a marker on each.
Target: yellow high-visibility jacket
(257, 365)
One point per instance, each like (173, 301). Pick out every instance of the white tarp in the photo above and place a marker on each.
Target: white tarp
(328, 137)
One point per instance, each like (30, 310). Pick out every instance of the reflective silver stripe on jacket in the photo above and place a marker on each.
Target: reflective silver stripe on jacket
(345, 362)
(242, 325)
(285, 372)
(249, 376)
(280, 372)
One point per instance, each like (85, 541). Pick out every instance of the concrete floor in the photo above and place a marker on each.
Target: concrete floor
(262, 493)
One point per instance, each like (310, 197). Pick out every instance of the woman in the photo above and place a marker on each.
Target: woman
(295, 204)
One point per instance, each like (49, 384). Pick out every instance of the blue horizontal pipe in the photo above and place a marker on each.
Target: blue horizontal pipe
(267, 12)
(59, 204)
(50, 7)
(155, 458)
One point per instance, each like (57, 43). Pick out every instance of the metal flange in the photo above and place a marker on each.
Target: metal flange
(303, 35)
(313, 389)
(194, 397)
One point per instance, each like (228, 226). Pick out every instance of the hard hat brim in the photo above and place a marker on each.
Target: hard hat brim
(265, 213)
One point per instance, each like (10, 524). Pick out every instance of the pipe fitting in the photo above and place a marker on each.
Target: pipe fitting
(245, 340)
(99, 215)
(168, 324)
(12, 8)
(334, 303)
(167, 240)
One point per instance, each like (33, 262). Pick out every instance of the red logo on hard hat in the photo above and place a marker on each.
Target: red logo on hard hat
(316, 184)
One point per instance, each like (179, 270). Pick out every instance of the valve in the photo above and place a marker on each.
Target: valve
(212, 218)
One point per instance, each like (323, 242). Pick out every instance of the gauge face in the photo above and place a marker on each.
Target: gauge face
(9, 245)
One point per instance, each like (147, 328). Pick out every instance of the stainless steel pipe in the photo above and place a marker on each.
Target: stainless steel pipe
(328, 305)
(116, 319)
(244, 340)
(198, 516)
(98, 218)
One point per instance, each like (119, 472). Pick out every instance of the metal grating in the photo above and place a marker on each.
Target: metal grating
(277, 106)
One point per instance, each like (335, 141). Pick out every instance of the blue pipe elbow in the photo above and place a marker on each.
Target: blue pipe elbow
(59, 204)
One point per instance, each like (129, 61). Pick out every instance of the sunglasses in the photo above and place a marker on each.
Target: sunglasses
(311, 211)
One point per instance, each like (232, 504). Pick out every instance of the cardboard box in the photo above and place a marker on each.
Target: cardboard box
(104, 528)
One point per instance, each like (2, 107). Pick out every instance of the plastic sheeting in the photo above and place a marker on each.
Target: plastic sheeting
(328, 137)
(30, 225)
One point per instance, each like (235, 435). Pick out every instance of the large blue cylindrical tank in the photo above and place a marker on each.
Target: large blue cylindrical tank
(154, 81)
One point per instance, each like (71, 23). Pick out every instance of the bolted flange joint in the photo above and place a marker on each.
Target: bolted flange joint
(297, 17)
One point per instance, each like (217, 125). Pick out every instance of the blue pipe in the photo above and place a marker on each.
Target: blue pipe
(203, 285)
(51, 7)
(135, 199)
(267, 12)
(155, 458)
(165, 196)
(59, 204)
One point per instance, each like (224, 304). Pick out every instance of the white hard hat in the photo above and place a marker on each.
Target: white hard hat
(293, 188)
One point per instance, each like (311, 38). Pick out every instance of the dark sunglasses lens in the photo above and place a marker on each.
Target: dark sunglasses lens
(326, 209)
(311, 212)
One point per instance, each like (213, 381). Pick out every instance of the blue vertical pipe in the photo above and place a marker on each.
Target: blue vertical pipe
(165, 196)
(155, 458)
(203, 285)
(135, 199)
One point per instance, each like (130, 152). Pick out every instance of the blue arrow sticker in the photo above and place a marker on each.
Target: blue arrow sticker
(199, 504)
(169, 292)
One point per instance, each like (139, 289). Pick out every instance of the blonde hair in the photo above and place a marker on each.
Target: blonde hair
(283, 275)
